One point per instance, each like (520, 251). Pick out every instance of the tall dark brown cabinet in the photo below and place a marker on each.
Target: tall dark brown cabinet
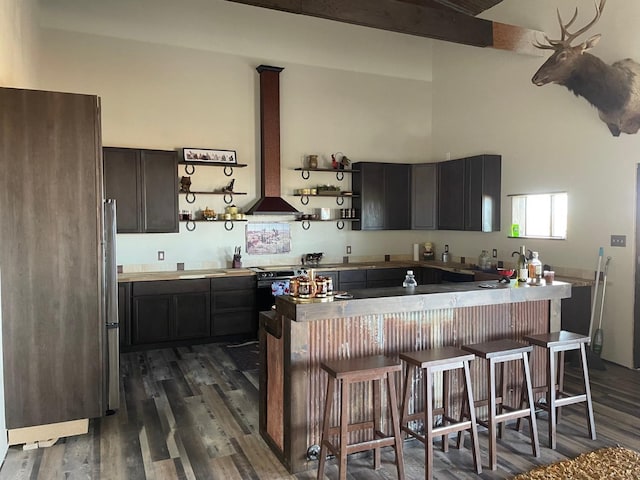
(51, 261)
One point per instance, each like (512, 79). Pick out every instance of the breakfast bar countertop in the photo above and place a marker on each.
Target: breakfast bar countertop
(423, 297)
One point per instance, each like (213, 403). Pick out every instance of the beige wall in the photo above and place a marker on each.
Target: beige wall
(352, 92)
(18, 41)
(550, 141)
(169, 77)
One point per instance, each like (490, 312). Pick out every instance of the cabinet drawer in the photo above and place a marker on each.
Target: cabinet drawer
(235, 283)
(162, 287)
(353, 276)
(237, 300)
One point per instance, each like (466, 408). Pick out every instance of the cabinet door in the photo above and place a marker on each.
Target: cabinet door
(121, 174)
(451, 195)
(369, 184)
(483, 193)
(152, 319)
(431, 276)
(160, 191)
(397, 198)
(424, 182)
(192, 315)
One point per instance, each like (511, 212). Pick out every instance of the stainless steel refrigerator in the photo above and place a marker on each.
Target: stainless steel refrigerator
(112, 362)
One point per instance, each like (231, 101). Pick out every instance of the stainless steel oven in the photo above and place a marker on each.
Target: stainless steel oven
(267, 277)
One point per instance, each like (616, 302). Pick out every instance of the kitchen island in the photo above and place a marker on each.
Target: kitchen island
(300, 334)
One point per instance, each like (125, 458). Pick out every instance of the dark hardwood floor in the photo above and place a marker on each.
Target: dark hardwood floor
(189, 413)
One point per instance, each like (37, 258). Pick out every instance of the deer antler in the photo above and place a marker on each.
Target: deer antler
(567, 37)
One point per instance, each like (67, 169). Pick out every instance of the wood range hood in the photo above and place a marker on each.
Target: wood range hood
(270, 202)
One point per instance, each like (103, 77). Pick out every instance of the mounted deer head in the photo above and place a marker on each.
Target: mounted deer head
(613, 89)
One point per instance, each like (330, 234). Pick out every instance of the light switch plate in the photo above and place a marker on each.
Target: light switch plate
(160, 255)
(618, 240)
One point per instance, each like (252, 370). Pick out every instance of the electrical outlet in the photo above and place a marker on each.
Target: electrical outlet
(348, 249)
(160, 255)
(495, 253)
(618, 240)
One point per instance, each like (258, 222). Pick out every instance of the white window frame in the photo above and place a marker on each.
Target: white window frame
(558, 206)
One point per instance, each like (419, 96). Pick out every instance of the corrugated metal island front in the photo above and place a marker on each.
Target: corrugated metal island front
(299, 335)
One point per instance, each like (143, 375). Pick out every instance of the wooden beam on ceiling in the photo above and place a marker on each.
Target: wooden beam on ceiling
(469, 7)
(412, 17)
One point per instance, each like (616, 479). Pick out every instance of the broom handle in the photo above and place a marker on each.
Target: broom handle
(595, 292)
(604, 288)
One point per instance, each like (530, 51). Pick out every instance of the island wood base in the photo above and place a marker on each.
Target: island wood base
(292, 385)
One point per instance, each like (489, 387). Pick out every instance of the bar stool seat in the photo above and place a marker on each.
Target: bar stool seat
(343, 373)
(433, 361)
(499, 352)
(556, 397)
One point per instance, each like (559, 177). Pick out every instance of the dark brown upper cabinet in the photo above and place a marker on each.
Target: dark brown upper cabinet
(144, 184)
(469, 193)
(382, 196)
(424, 199)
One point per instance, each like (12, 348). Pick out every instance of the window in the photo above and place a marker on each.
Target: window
(542, 215)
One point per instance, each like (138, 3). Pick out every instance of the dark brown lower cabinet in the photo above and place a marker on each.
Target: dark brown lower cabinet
(233, 309)
(386, 277)
(169, 310)
(352, 280)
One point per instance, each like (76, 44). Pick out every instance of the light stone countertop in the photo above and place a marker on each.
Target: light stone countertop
(329, 267)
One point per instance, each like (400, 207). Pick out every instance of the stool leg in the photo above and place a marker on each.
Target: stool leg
(463, 415)
(393, 407)
(551, 397)
(533, 425)
(475, 444)
(325, 427)
(560, 382)
(405, 397)
(503, 395)
(491, 378)
(377, 427)
(523, 397)
(344, 430)
(587, 389)
(428, 422)
(445, 408)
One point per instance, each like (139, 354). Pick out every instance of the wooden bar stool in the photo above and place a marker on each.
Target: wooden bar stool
(343, 373)
(556, 397)
(433, 361)
(500, 352)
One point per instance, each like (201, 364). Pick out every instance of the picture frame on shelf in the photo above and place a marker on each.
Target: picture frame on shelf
(209, 155)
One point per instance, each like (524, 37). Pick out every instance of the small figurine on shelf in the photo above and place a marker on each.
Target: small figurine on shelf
(341, 163)
(229, 187)
(185, 184)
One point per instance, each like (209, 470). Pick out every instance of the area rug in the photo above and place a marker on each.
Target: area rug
(607, 463)
(246, 356)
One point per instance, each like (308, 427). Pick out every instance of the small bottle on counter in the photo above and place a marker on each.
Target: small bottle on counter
(535, 268)
(523, 272)
(409, 280)
(484, 262)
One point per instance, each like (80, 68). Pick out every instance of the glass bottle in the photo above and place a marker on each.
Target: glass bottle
(535, 268)
(483, 260)
(409, 280)
(523, 272)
